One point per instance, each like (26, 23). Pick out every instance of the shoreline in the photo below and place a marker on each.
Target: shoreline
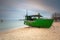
(30, 33)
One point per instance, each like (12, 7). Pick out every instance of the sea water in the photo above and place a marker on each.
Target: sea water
(6, 25)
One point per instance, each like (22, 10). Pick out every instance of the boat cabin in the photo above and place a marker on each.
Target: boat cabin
(32, 17)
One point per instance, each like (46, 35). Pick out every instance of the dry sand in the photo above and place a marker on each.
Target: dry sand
(30, 33)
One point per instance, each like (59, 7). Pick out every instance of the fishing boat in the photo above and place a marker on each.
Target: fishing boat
(37, 21)
(1, 20)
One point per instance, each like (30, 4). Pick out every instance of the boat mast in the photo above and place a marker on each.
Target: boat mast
(26, 15)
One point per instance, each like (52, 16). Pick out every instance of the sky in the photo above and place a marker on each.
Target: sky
(16, 9)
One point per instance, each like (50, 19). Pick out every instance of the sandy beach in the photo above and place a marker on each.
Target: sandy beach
(30, 33)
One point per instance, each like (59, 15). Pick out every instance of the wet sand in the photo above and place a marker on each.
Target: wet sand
(30, 33)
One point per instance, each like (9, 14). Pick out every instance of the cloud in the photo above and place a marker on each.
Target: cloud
(13, 8)
(47, 5)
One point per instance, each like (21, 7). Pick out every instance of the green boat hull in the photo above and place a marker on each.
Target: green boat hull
(39, 23)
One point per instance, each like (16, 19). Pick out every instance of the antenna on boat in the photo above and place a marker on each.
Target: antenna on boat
(26, 13)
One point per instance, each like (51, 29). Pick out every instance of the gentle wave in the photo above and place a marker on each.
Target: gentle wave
(10, 24)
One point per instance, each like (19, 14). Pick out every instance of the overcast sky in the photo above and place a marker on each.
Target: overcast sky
(16, 9)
